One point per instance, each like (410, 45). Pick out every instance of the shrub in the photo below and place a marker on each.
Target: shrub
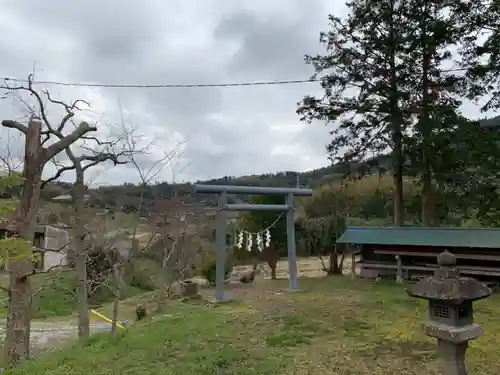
(208, 270)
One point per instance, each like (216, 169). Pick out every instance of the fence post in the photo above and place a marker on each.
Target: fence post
(399, 270)
(220, 247)
(292, 251)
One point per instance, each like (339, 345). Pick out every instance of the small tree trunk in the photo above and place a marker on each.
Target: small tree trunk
(80, 255)
(273, 266)
(341, 263)
(114, 319)
(271, 256)
(427, 204)
(335, 268)
(165, 284)
(116, 301)
(82, 296)
(353, 265)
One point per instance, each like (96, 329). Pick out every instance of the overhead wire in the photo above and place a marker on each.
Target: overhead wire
(180, 86)
(168, 85)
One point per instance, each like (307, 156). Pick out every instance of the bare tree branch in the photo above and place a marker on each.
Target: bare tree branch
(15, 125)
(70, 109)
(66, 141)
(11, 162)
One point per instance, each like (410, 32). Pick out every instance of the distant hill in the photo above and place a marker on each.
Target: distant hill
(493, 122)
(310, 179)
(126, 197)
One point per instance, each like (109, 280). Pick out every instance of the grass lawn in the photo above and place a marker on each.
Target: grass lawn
(54, 296)
(341, 326)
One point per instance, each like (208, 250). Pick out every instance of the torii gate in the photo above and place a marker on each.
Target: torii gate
(221, 224)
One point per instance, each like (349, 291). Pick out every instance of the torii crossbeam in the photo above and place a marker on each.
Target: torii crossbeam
(221, 224)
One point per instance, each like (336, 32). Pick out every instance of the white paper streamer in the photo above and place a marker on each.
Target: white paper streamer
(249, 241)
(239, 243)
(267, 235)
(260, 242)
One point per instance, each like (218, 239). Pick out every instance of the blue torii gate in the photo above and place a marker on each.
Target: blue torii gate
(221, 224)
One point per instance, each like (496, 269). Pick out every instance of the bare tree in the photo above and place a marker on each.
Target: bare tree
(40, 147)
(173, 227)
(92, 156)
(148, 174)
(10, 161)
(176, 227)
(100, 243)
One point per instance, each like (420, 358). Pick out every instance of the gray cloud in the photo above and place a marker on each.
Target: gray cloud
(229, 131)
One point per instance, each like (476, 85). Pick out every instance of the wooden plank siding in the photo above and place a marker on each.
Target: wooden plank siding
(416, 249)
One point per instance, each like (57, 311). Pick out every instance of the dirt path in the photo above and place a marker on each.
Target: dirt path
(306, 267)
(270, 297)
(52, 333)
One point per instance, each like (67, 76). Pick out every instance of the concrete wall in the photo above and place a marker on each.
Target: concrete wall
(55, 239)
(53, 259)
(51, 239)
(123, 246)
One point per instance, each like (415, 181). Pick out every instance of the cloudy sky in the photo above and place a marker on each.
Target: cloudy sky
(227, 131)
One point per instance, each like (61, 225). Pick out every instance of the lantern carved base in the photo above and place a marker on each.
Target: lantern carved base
(451, 334)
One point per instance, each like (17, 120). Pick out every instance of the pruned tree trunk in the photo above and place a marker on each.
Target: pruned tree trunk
(80, 254)
(17, 344)
(17, 339)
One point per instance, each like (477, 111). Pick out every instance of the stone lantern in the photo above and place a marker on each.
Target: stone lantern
(450, 321)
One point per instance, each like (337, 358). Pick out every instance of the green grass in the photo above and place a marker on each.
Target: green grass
(340, 326)
(54, 295)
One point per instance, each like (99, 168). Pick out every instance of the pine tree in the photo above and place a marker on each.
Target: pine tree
(453, 156)
(479, 21)
(436, 96)
(365, 77)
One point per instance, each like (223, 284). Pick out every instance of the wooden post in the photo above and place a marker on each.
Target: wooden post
(399, 270)
(353, 266)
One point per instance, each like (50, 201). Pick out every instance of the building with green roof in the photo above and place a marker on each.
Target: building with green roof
(411, 252)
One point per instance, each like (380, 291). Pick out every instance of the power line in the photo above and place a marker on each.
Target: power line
(184, 86)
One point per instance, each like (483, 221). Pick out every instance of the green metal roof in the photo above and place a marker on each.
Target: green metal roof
(422, 236)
